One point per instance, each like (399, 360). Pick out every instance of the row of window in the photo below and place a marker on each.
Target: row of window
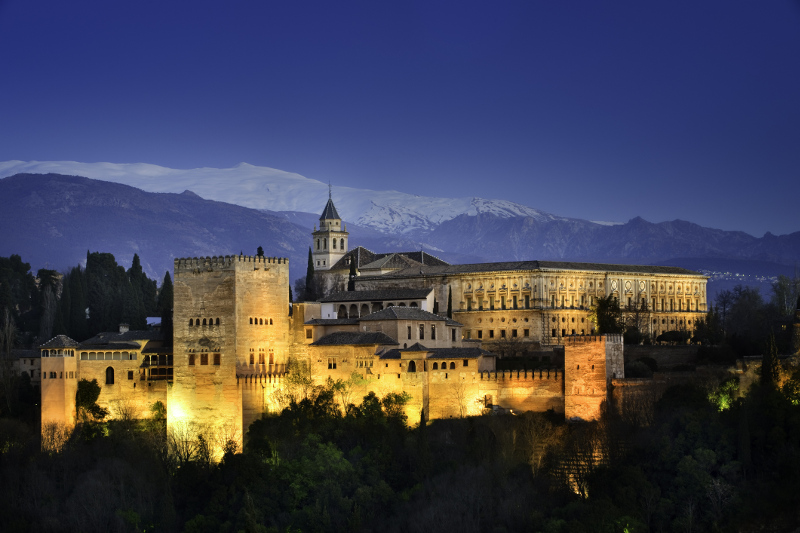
(57, 375)
(324, 242)
(203, 359)
(514, 333)
(261, 359)
(260, 321)
(58, 353)
(206, 322)
(108, 356)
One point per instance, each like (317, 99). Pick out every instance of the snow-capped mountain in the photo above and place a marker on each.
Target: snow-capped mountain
(390, 212)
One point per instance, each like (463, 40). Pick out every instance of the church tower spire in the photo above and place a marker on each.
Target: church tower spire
(329, 242)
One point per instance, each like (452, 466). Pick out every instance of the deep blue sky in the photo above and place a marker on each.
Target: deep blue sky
(597, 110)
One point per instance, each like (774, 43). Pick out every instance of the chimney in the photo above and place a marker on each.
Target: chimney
(123, 328)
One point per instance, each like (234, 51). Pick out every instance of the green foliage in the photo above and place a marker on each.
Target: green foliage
(86, 402)
(311, 293)
(260, 252)
(770, 366)
(165, 304)
(158, 411)
(674, 337)
(449, 302)
(724, 395)
(606, 315)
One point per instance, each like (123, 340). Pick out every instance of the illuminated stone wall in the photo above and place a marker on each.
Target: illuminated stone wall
(242, 304)
(59, 385)
(586, 373)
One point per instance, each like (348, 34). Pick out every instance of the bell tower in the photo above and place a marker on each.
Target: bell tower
(329, 242)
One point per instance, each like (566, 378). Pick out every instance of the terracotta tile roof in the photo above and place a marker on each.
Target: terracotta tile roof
(377, 295)
(402, 313)
(60, 341)
(439, 270)
(115, 336)
(340, 338)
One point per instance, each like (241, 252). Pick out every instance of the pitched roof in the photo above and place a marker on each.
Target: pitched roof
(115, 336)
(377, 295)
(329, 212)
(416, 347)
(457, 353)
(332, 322)
(439, 270)
(365, 257)
(60, 341)
(395, 261)
(339, 338)
(402, 313)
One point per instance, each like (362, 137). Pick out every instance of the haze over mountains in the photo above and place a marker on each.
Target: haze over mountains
(53, 219)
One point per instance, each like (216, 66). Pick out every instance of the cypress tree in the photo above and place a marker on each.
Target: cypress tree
(770, 367)
(260, 252)
(165, 304)
(311, 293)
(450, 302)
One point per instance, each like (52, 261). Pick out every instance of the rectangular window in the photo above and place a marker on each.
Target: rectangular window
(491, 303)
(409, 332)
(513, 333)
(130, 374)
(453, 334)
(433, 332)
(491, 334)
(203, 358)
(563, 332)
(502, 334)
(308, 334)
(467, 334)
(191, 359)
(332, 364)
(216, 359)
(480, 333)
(515, 302)
(422, 332)
(502, 302)
(554, 333)
(261, 358)
(526, 333)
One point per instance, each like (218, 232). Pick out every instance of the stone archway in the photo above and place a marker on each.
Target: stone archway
(412, 366)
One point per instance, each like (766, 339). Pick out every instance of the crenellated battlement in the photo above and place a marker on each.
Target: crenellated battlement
(523, 375)
(609, 338)
(192, 264)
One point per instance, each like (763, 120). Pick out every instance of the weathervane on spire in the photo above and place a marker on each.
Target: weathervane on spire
(330, 190)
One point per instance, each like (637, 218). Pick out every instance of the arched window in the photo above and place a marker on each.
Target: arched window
(252, 358)
(109, 376)
(317, 244)
(342, 244)
(324, 244)
(413, 305)
(191, 322)
(353, 311)
(342, 312)
(364, 309)
(204, 321)
(218, 321)
(260, 321)
(412, 366)
(333, 242)
(436, 366)
(251, 320)
(452, 366)
(270, 321)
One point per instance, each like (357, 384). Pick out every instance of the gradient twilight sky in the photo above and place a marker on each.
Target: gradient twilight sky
(598, 110)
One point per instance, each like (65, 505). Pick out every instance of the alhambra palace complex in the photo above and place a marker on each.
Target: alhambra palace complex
(233, 335)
